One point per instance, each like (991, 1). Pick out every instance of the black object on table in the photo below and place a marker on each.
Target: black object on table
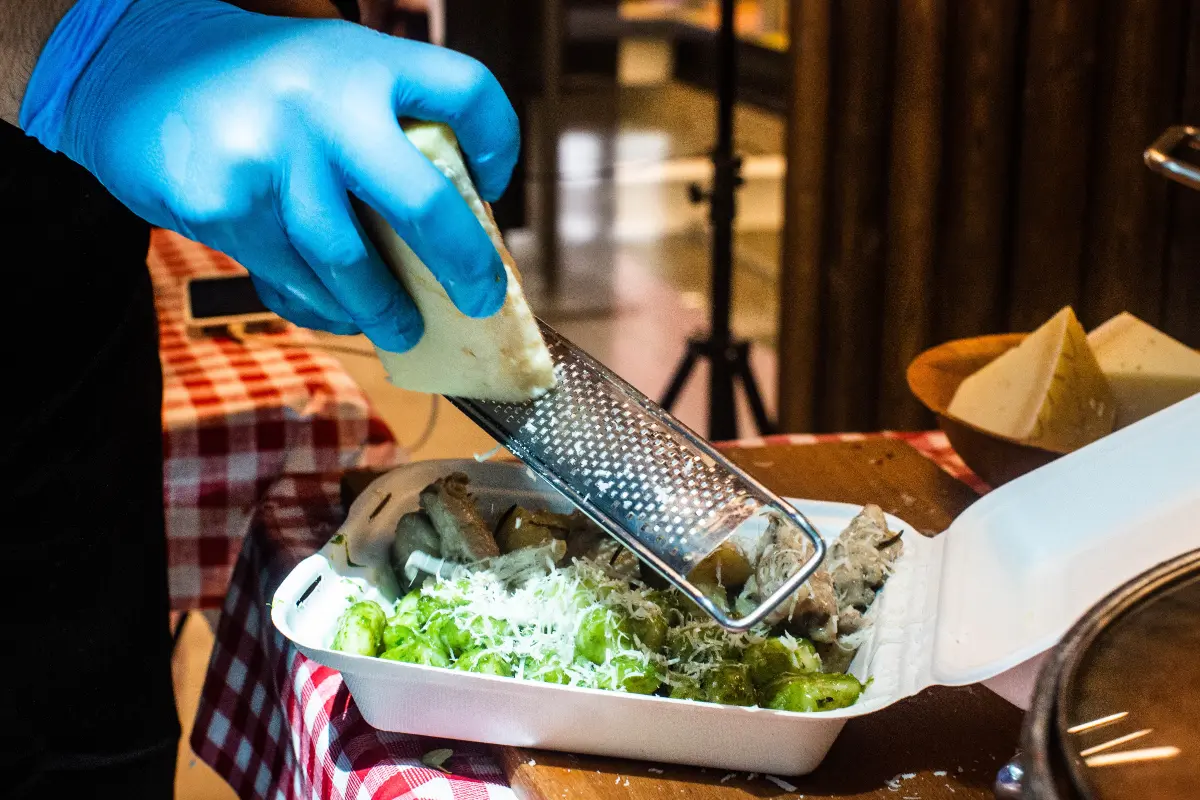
(354, 482)
(728, 357)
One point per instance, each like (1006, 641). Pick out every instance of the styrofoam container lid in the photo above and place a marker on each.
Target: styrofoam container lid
(1022, 564)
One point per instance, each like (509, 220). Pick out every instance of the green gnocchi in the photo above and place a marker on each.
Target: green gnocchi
(581, 625)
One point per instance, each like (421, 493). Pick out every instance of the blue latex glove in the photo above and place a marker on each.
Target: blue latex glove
(245, 132)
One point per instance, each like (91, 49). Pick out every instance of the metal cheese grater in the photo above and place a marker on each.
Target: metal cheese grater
(639, 473)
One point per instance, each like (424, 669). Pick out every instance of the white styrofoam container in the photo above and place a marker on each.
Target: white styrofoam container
(980, 603)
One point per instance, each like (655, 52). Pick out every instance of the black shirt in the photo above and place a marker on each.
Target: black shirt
(71, 257)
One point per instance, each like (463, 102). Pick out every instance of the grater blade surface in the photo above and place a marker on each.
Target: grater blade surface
(638, 472)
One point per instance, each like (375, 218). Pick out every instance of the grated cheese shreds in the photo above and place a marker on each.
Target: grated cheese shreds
(531, 613)
(781, 783)
(853, 641)
(535, 624)
(489, 455)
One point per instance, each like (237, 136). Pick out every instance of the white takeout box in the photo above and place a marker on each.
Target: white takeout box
(982, 602)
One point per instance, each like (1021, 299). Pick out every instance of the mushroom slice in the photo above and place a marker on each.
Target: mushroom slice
(519, 528)
(726, 566)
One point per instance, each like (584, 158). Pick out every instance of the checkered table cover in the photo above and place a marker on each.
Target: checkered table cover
(237, 417)
(276, 725)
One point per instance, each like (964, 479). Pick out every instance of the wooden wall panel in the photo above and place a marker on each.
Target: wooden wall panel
(1138, 86)
(1055, 143)
(978, 139)
(1181, 289)
(810, 27)
(913, 176)
(854, 252)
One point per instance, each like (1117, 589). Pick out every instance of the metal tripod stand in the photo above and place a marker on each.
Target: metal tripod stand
(728, 357)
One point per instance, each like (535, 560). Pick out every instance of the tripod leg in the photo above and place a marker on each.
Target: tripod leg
(679, 379)
(765, 426)
(722, 421)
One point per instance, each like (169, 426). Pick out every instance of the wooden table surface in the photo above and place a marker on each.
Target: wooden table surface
(943, 743)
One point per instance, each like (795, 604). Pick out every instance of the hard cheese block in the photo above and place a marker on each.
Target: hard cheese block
(1048, 391)
(1147, 370)
(501, 358)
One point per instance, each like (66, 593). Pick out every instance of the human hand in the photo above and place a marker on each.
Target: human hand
(246, 132)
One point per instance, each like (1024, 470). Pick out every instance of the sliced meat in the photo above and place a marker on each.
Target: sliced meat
(519, 566)
(558, 524)
(812, 609)
(414, 532)
(619, 561)
(833, 607)
(850, 620)
(451, 509)
(625, 564)
(860, 561)
(585, 539)
(835, 656)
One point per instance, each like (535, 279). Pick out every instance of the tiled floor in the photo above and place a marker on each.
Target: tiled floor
(635, 260)
(194, 780)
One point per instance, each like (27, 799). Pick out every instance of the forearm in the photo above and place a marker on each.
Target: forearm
(25, 25)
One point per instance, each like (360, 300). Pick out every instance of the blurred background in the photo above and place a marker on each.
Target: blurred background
(913, 172)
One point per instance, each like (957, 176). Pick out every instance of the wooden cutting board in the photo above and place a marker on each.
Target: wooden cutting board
(944, 743)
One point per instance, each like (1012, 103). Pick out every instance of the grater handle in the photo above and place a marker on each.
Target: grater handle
(1158, 155)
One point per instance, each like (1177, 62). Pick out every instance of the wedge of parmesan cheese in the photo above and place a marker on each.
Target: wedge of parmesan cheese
(502, 358)
(1146, 369)
(1048, 391)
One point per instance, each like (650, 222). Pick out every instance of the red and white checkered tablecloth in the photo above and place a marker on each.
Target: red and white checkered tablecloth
(276, 725)
(237, 417)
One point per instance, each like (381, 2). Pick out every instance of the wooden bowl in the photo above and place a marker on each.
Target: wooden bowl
(934, 377)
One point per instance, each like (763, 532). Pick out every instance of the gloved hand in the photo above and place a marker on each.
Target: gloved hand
(245, 132)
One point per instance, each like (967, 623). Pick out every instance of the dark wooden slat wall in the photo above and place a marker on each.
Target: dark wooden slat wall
(854, 258)
(1181, 289)
(1051, 201)
(977, 129)
(1137, 96)
(913, 174)
(967, 167)
(810, 25)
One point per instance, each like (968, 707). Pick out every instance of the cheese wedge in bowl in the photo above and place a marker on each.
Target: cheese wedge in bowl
(1048, 392)
(503, 357)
